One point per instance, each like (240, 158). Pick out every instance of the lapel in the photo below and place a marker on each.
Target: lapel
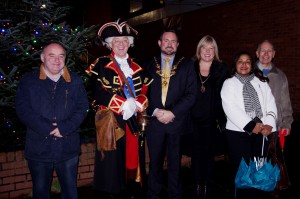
(157, 70)
(133, 65)
(175, 65)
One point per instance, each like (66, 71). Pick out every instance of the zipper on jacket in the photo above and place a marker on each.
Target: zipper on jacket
(67, 92)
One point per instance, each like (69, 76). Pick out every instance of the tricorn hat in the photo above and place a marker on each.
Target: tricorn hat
(116, 29)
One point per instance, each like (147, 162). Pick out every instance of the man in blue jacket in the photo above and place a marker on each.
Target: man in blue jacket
(52, 103)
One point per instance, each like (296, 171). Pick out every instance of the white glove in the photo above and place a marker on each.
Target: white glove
(128, 108)
(139, 105)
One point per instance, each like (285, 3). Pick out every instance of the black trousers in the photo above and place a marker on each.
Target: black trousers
(161, 145)
(241, 144)
(203, 152)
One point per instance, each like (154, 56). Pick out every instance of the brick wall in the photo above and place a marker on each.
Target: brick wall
(15, 179)
(237, 25)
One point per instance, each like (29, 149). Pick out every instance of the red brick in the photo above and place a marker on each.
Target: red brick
(84, 182)
(13, 165)
(20, 155)
(91, 167)
(86, 175)
(6, 166)
(23, 185)
(185, 161)
(23, 193)
(23, 170)
(13, 179)
(2, 157)
(88, 147)
(91, 161)
(20, 164)
(83, 169)
(10, 156)
(7, 188)
(84, 156)
(4, 195)
(91, 155)
(83, 148)
(6, 173)
(84, 162)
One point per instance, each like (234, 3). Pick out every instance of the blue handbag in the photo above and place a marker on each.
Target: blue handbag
(260, 174)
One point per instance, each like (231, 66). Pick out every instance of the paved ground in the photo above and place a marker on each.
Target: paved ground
(220, 180)
(219, 188)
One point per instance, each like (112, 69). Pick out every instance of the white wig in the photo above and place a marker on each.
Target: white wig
(108, 40)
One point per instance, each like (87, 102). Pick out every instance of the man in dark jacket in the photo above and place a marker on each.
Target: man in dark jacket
(52, 103)
(171, 95)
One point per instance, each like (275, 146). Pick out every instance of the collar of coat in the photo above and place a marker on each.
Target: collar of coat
(134, 66)
(65, 75)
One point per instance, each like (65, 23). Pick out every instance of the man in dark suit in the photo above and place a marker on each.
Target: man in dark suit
(171, 95)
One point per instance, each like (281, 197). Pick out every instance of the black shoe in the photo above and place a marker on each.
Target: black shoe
(201, 192)
(197, 192)
(205, 194)
(134, 190)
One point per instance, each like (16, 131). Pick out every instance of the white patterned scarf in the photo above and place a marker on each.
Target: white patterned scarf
(251, 101)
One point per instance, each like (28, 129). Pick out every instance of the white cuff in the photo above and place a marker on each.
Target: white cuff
(128, 108)
(139, 105)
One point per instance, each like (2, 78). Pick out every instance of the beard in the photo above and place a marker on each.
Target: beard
(168, 51)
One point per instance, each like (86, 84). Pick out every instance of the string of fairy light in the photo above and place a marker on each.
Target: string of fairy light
(37, 33)
(36, 45)
(22, 41)
(6, 30)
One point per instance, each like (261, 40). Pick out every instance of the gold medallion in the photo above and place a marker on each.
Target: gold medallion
(202, 88)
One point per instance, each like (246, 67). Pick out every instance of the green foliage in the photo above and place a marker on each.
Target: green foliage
(27, 26)
(55, 187)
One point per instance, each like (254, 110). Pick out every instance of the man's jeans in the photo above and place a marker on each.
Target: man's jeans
(42, 172)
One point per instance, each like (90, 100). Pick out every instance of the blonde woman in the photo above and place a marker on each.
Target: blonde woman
(207, 112)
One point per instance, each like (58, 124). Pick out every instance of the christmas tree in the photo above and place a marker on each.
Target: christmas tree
(26, 26)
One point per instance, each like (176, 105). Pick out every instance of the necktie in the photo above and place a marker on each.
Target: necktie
(165, 80)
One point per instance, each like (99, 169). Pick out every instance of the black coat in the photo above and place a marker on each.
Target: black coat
(110, 173)
(180, 97)
(164, 139)
(209, 108)
(38, 102)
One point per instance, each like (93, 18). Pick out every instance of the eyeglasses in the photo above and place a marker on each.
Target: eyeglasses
(266, 50)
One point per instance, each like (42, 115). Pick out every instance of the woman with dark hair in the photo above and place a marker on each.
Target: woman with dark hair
(254, 69)
(251, 115)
